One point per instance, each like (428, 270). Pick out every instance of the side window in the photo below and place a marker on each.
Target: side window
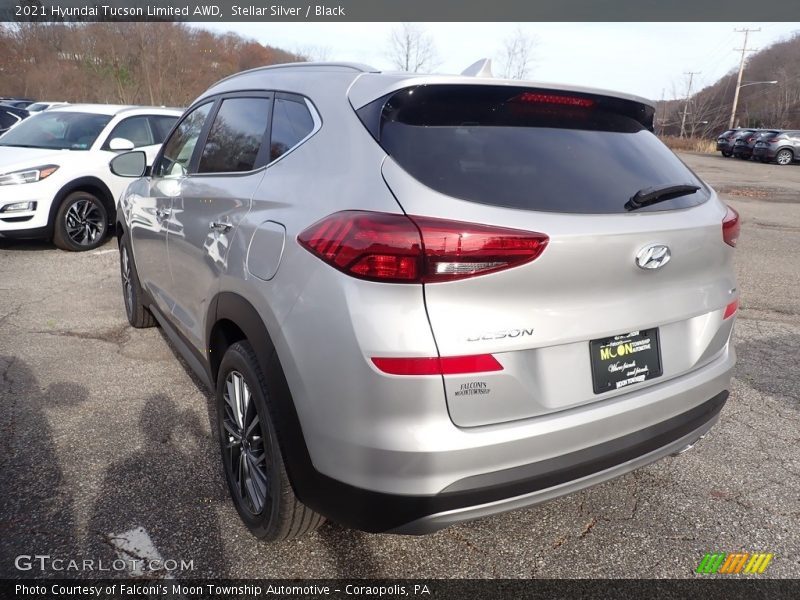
(178, 149)
(236, 135)
(161, 125)
(291, 122)
(134, 129)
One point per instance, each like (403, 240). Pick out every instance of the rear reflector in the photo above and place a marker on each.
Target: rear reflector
(393, 248)
(731, 227)
(730, 310)
(446, 365)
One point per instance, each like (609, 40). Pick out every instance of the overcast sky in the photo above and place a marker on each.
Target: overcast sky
(639, 58)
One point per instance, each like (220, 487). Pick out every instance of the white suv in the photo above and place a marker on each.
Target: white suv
(54, 176)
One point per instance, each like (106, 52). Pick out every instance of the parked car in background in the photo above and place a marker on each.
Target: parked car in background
(18, 103)
(40, 106)
(448, 320)
(54, 177)
(782, 147)
(10, 116)
(744, 144)
(727, 138)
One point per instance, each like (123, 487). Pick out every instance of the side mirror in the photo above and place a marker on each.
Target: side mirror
(130, 164)
(121, 144)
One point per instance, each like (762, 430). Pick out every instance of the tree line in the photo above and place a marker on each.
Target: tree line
(158, 63)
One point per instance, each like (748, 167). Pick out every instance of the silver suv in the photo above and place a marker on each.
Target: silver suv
(426, 299)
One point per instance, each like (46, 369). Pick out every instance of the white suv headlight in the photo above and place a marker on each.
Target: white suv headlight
(31, 175)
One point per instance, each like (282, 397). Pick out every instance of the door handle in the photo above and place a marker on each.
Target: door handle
(162, 213)
(220, 226)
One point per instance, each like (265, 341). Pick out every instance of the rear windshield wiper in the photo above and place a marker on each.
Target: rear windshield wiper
(653, 195)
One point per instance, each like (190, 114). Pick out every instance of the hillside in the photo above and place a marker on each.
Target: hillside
(138, 63)
(759, 105)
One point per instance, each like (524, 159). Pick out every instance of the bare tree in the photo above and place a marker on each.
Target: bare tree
(313, 53)
(517, 55)
(412, 49)
(87, 62)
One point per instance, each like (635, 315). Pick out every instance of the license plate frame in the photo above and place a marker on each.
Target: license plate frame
(612, 370)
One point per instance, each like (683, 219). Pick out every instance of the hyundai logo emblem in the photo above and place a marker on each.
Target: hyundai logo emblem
(653, 256)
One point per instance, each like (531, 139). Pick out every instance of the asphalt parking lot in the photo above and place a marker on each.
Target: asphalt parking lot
(105, 436)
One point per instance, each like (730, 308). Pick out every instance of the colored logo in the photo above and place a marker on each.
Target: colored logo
(734, 562)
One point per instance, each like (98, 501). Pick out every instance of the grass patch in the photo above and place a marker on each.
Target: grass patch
(688, 144)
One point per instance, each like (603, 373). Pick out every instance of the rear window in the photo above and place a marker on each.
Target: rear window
(7, 119)
(527, 148)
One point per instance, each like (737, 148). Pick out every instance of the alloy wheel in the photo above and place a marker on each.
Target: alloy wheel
(784, 157)
(85, 223)
(244, 445)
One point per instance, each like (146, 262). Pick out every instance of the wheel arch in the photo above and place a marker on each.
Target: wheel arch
(232, 318)
(92, 185)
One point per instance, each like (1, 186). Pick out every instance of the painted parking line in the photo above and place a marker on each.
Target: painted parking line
(99, 252)
(136, 547)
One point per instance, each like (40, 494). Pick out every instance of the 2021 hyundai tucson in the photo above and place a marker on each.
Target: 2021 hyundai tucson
(425, 299)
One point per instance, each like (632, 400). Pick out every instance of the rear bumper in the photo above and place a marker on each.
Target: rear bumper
(522, 486)
(546, 480)
(591, 445)
(764, 153)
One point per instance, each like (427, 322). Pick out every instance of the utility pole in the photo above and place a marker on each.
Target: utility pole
(744, 49)
(691, 75)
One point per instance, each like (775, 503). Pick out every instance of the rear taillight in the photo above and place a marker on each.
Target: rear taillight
(445, 365)
(393, 248)
(731, 227)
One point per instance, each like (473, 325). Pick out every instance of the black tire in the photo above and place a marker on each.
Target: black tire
(784, 157)
(278, 515)
(138, 314)
(727, 154)
(81, 222)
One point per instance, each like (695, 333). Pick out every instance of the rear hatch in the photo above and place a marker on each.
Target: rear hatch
(582, 322)
(763, 138)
